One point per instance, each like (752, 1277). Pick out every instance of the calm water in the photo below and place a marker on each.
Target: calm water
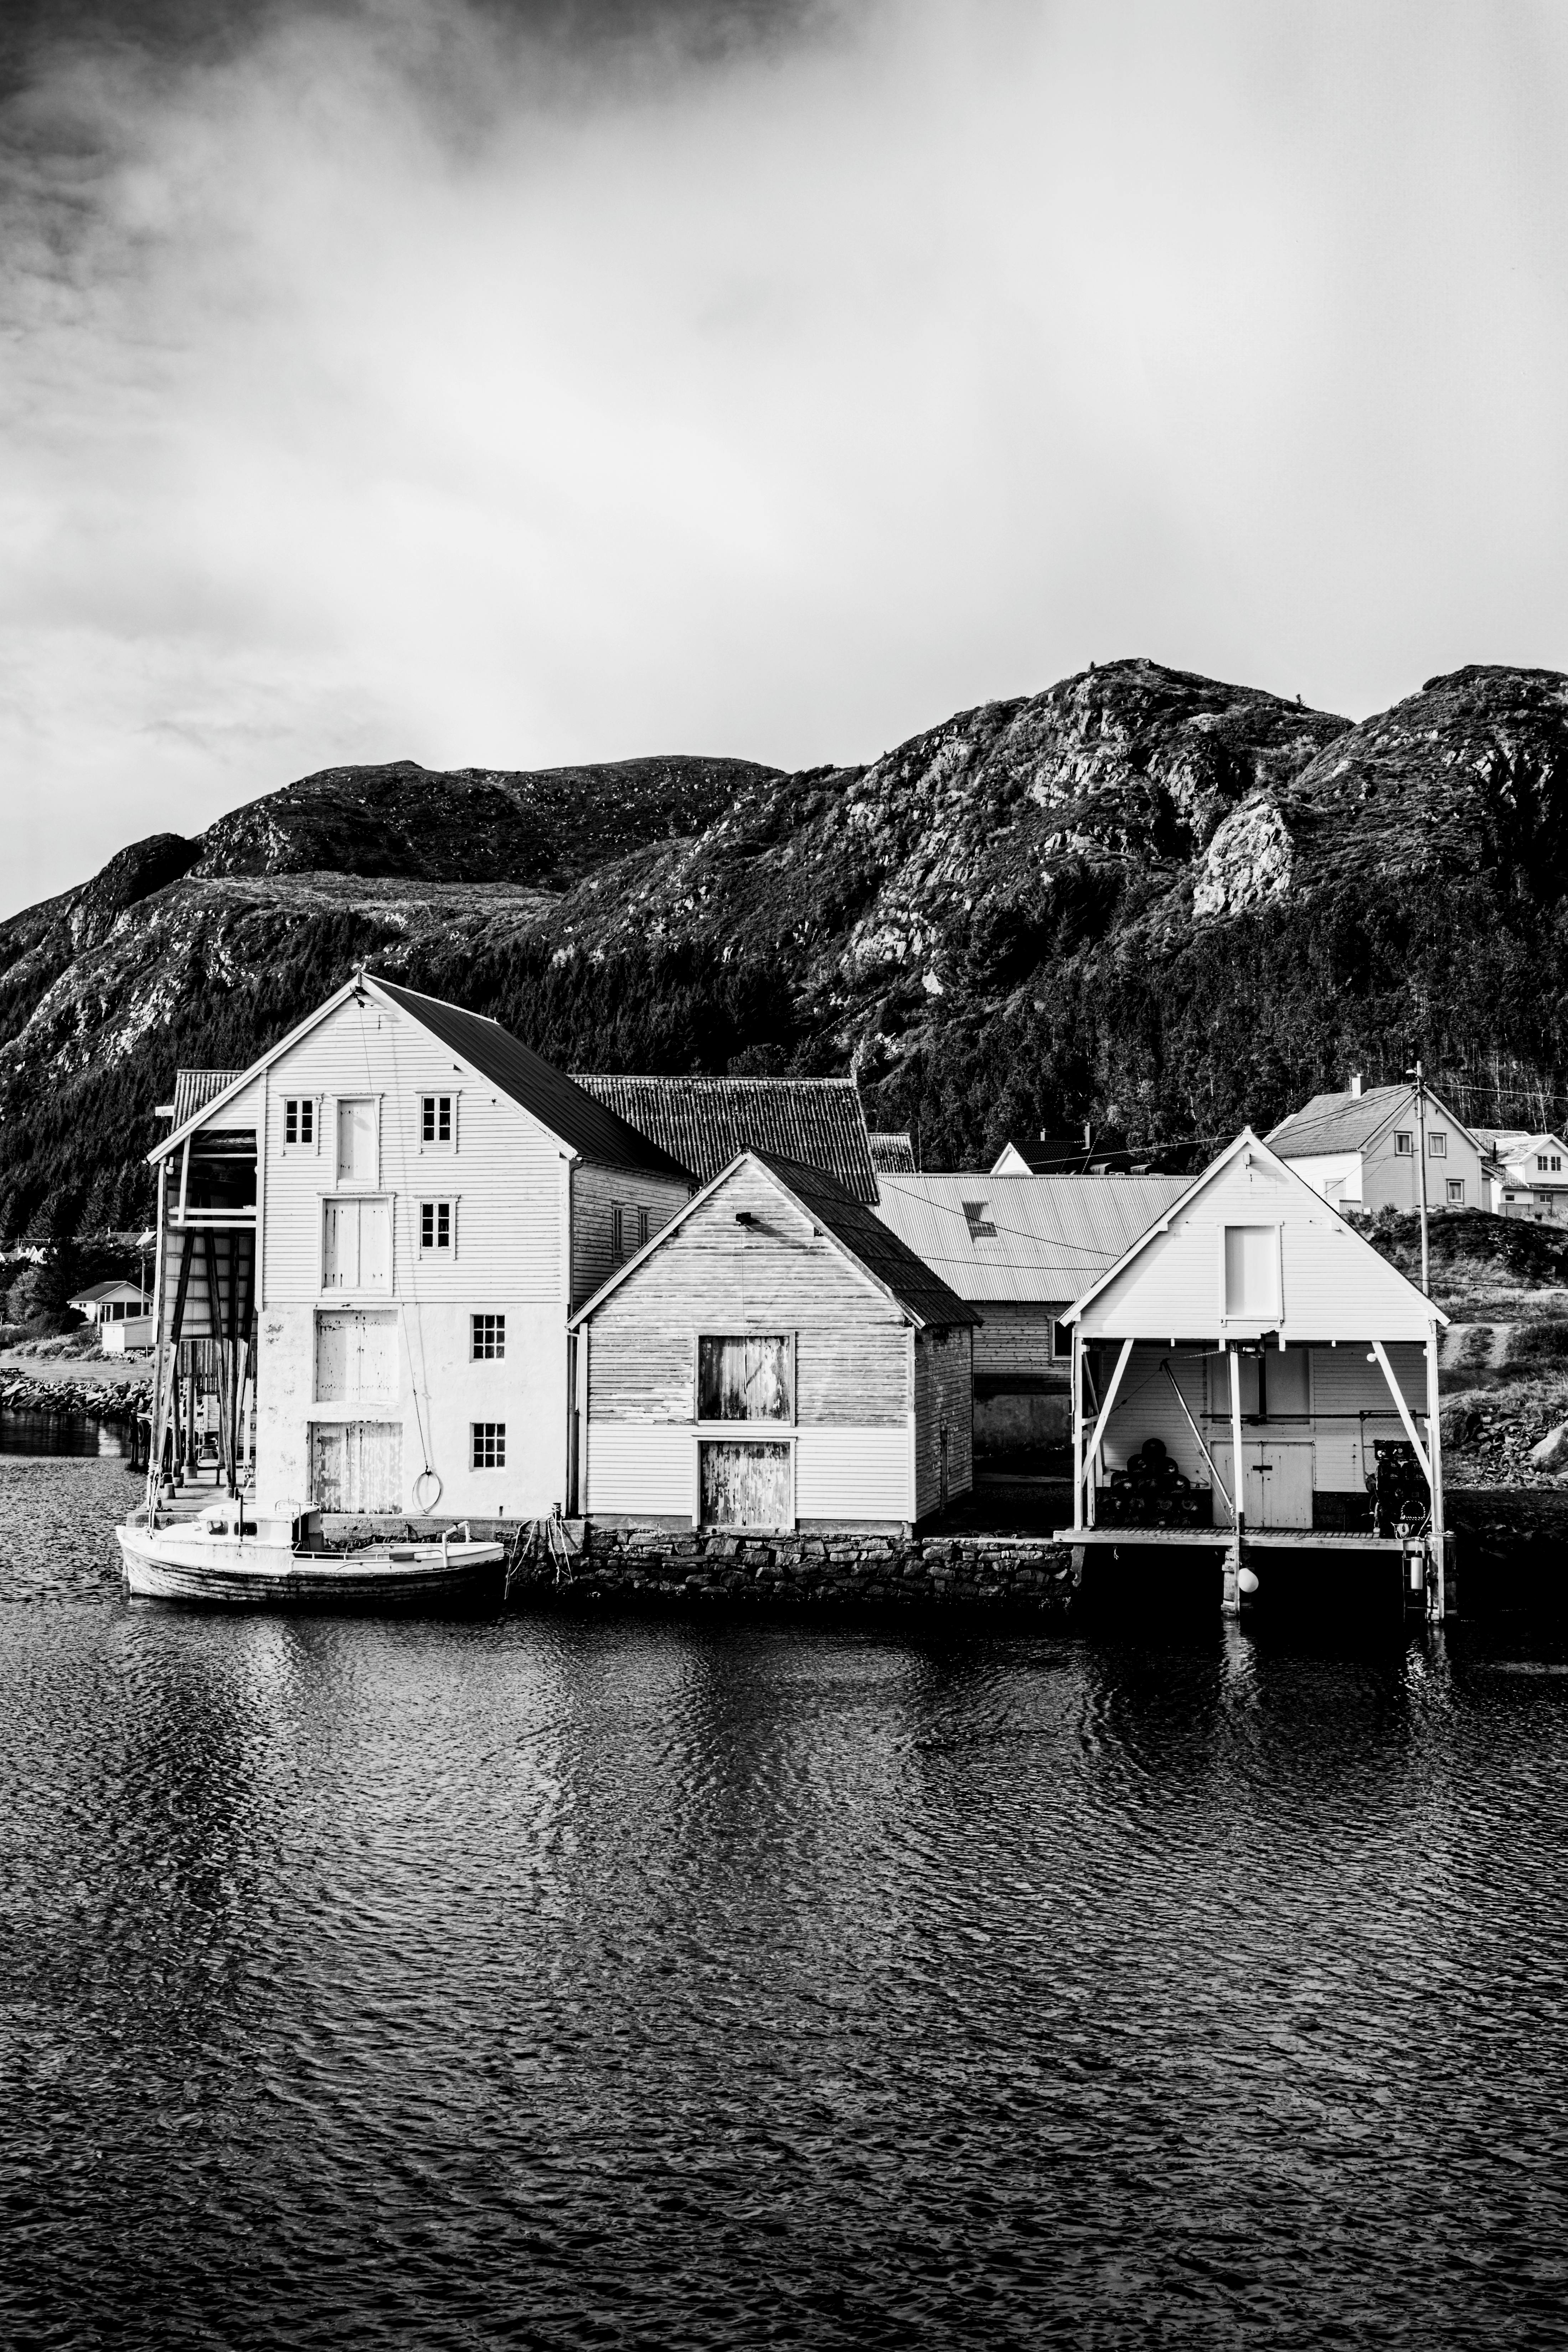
(526, 1983)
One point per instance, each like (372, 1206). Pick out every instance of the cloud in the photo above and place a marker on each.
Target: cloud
(521, 385)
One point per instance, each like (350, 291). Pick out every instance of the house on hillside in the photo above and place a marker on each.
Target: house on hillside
(1020, 1249)
(1362, 1150)
(774, 1359)
(119, 1311)
(1246, 1372)
(370, 1242)
(1530, 1174)
(1056, 1155)
(704, 1122)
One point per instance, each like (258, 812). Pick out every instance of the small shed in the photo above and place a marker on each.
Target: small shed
(774, 1359)
(1254, 1375)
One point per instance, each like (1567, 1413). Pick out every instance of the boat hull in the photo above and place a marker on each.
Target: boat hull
(217, 1572)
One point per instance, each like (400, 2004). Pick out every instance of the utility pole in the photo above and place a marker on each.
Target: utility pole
(1421, 1148)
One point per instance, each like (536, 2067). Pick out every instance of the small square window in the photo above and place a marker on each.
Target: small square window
(489, 1338)
(489, 1445)
(1404, 1143)
(300, 1119)
(1457, 1189)
(434, 1224)
(435, 1118)
(1437, 1145)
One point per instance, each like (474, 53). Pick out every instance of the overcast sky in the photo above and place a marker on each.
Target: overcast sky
(522, 384)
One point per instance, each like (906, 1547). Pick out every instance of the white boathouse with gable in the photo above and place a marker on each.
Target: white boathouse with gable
(1253, 1324)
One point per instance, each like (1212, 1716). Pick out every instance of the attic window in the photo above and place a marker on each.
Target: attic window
(1251, 1274)
(1437, 1144)
(981, 1227)
(435, 1118)
(299, 1119)
(1403, 1144)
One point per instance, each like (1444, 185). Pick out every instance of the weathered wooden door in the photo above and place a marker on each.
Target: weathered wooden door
(1279, 1485)
(744, 1485)
(356, 1466)
(356, 1359)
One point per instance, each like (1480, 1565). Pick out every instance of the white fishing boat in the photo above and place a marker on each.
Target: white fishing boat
(225, 1556)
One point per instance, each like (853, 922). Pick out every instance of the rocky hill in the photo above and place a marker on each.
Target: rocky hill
(1139, 895)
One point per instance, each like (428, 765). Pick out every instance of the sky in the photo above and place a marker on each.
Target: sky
(514, 385)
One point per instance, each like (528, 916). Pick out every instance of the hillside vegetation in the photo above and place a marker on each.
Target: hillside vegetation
(1141, 897)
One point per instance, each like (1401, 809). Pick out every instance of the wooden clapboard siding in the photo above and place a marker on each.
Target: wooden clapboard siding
(778, 1275)
(1336, 1287)
(1016, 1337)
(503, 1173)
(632, 1468)
(853, 1473)
(595, 1193)
(943, 1387)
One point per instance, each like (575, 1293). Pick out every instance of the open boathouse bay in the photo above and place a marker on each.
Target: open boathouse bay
(543, 1981)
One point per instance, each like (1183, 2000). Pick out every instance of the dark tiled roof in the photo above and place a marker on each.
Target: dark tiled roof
(893, 1153)
(913, 1284)
(704, 1122)
(194, 1089)
(589, 1127)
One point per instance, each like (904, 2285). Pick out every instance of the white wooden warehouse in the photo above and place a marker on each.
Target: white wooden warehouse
(1252, 1324)
(774, 1359)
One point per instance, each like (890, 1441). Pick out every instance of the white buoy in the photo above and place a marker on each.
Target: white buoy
(1247, 1581)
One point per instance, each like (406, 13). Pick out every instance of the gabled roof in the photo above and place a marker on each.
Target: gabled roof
(892, 1152)
(594, 1130)
(95, 1291)
(586, 1127)
(1513, 1143)
(1313, 1201)
(1049, 1238)
(1348, 1122)
(704, 1122)
(858, 1231)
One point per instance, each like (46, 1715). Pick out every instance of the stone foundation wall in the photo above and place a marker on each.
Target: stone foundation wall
(1013, 1577)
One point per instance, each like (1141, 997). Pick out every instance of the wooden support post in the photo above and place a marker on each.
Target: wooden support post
(1397, 1393)
(220, 1370)
(176, 1326)
(1076, 1427)
(1439, 1601)
(159, 1353)
(1103, 1416)
(1230, 1602)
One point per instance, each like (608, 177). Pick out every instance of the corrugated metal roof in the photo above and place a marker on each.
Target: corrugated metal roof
(557, 1101)
(1041, 1238)
(704, 1122)
(893, 1152)
(194, 1089)
(867, 1238)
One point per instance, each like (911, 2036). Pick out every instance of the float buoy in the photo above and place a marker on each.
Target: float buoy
(1247, 1581)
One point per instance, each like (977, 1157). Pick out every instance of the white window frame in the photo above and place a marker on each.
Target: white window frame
(1404, 1143)
(446, 1256)
(487, 1469)
(1455, 1192)
(494, 1314)
(359, 1295)
(1437, 1143)
(355, 1183)
(434, 1144)
(298, 1150)
(1269, 1322)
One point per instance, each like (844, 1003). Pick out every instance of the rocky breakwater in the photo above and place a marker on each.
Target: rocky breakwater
(1013, 1578)
(77, 1400)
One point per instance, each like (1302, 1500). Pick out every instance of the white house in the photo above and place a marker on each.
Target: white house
(119, 1311)
(382, 1228)
(1252, 1325)
(1530, 1178)
(1362, 1150)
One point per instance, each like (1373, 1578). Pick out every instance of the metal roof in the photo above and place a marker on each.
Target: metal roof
(893, 1152)
(590, 1128)
(194, 1089)
(704, 1122)
(1050, 1237)
(95, 1291)
(1348, 1122)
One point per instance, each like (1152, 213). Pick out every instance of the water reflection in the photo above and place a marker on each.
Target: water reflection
(570, 1983)
(43, 1434)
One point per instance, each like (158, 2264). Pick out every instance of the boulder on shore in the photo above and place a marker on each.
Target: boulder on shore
(1552, 1453)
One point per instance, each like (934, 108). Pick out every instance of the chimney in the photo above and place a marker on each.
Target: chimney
(1088, 1135)
(1355, 1083)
